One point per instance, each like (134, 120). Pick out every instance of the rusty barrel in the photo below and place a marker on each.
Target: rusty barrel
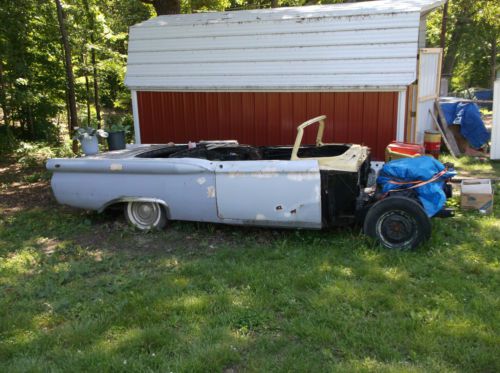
(432, 143)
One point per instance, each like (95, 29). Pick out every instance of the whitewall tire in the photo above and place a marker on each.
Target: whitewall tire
(146, 215)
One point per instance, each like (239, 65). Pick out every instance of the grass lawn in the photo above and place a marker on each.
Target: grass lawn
(82, 291)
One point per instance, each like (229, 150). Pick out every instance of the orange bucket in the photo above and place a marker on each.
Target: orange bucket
(432, 143)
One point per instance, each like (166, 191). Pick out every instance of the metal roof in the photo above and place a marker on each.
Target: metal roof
(355, 46)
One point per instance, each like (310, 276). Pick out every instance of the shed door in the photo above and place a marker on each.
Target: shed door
(277, 193)
(429, 76)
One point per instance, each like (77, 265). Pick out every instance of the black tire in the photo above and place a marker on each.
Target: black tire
(145, 215)
(398, 223)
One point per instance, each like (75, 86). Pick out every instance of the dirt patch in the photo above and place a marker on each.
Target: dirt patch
(24, 195)
(110, 231)
(22, 188)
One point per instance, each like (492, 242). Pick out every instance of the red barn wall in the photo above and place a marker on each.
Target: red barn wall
(268, 118)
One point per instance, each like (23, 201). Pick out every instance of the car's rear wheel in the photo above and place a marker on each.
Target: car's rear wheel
(398, 223)
(146, 215)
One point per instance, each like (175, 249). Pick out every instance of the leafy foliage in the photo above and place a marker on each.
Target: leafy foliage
(32, 64)
(472, 51)
(33, 95)
(119, 123)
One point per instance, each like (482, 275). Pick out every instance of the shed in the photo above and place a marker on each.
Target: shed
(255, 75)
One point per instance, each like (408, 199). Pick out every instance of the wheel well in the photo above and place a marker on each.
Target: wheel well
(120, 202)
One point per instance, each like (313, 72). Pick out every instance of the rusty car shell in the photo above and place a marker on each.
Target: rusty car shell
(310, 186)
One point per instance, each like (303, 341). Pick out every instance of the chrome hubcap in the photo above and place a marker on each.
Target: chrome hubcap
(144, 215)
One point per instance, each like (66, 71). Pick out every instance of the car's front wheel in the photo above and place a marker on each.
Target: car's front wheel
(398, 223)
(146, 215)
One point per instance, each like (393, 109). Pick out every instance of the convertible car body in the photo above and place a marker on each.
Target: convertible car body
(304, 186)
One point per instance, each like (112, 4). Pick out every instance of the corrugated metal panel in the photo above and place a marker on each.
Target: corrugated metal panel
(270, 118)
(276, 26)
(314, 53)
(304, 13)
(395, 32)
(364, 46)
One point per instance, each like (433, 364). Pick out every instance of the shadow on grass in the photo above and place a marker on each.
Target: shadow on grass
(83, 291)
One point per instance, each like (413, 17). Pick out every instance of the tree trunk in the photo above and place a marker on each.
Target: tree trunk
(453, 46)
(274, 4)
(87, 88)
(70, 79)
(163, 7)
(442, 41)
(31, 124)
(96, 88)
(94, 63)
(3, 98)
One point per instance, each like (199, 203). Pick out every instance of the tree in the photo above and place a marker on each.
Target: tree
(469, 31)
(70, 79)
(163, 7)
(3, 97)
(90, 16)
(32, 88)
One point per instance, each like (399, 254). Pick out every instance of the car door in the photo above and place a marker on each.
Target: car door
(269, 192)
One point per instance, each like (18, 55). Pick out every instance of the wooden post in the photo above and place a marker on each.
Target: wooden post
(449, 137)
(495, 131)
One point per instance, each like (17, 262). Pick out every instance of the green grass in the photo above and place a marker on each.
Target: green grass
(474, 167)
(85, 292)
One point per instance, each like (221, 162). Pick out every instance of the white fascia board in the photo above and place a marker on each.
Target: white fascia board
(495, 131)
(135, 112)
(396, 88)
(401, 115)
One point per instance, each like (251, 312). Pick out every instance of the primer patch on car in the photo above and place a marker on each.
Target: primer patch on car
(266, 172)
(211, 192)
(201, 180)
(116, 167)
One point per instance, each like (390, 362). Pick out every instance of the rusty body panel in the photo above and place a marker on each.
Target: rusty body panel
(268, 118)
(261, 192)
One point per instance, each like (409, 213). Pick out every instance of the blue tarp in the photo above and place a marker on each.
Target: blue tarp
(467, 116)
(420, 168)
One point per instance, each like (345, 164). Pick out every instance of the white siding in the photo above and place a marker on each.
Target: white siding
(367, 46)
(428, 89)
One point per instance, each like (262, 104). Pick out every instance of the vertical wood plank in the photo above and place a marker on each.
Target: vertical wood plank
(327, 107)
(313, 103)
(370, 122)
(286, 119)
(341, 128)
(224, 116)
(260, 118)
(248, 118)
(299, 110)
(385, 132)
(273, 118)
(355, 127)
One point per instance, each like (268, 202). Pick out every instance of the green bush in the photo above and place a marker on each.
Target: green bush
(7, 140)
(36, 154)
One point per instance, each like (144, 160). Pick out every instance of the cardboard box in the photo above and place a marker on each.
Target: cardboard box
(477, 194)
